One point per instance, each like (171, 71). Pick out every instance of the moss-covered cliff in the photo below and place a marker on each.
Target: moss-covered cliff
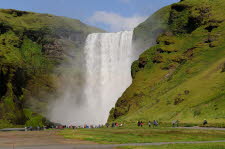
(32, 45)
(181, 77)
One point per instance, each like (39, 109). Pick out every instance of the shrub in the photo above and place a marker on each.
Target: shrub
(135, 68)
(223, 68)
(33, 119)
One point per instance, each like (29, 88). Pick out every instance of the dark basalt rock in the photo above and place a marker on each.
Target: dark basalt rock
(4, 27)
(142, 62)
(157, 59)
(179, 7)
(178, 100)
(193, 23)
(4, 75)
(189, 53)
(211, 27)
(15, 13)
(37, 35)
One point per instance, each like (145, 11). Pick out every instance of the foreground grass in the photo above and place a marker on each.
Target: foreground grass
(142, 135)
(182, 146)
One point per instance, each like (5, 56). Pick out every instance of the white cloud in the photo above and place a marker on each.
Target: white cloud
(115, 21)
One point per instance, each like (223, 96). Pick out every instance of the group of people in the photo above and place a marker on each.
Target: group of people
(154, 123)
(83, 126)
(113, 125)
(140, 124)
(38, 128)
(91, 126)
(150, 124)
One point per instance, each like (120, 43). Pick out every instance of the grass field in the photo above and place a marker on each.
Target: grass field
(142, 135)
(183, 146)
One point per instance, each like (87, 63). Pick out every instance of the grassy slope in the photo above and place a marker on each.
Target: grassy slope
(182, 76)
(31, 46)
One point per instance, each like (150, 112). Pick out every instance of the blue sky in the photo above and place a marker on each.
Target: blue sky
(111, 15)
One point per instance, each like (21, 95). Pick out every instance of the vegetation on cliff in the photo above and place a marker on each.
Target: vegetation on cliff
(182, 76)
(32, 45)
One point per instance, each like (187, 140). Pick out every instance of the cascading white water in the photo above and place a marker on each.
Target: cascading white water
(106, 73)
(108, 62)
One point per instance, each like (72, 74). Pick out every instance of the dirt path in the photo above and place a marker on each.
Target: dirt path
(202, 128)
(108, 146)
(35, 138)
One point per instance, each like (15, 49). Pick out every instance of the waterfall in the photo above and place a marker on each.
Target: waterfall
(107, 62)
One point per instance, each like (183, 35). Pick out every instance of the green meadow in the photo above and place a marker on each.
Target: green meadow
(133, 134)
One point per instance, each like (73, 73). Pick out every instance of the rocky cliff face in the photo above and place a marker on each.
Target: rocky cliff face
(182, 75)
(32, 47)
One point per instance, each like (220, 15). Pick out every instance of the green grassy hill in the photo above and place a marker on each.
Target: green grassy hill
(32, 45)
(183, 76)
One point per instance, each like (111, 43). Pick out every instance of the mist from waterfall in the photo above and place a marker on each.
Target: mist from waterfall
(107, 74)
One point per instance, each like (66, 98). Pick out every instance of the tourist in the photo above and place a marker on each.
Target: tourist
(205, 122)
(155, 123)
(117, 125)
(139, 123)
(149, 124)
